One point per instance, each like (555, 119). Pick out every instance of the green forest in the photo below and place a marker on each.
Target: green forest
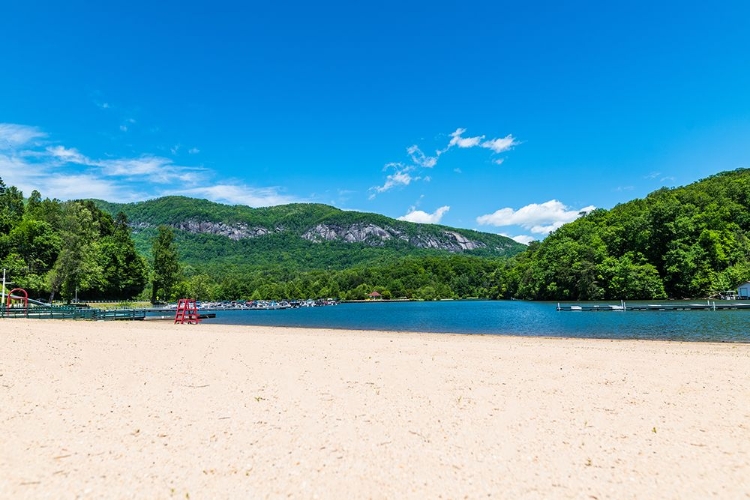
(685, 242)
(63, 249)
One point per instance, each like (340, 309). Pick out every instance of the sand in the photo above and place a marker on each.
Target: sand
(156, 410)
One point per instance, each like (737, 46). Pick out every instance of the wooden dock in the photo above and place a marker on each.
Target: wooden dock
(676, 306)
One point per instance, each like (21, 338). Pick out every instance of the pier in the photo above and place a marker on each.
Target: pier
(638, 306)
(87, 313)
(62, 312)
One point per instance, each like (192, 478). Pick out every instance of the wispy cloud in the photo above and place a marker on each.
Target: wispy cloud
(420, 160)
(463, 142)
(524, 239)
(399, 178)
(237, 194)
(13, 136)
(30, 160)
(500, 145)
(194, 151)
(422, 217)
(539, 218)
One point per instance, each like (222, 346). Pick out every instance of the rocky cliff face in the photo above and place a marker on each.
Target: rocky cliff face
(376, 236)
(233, 232)
(356, 233)
(368, 233)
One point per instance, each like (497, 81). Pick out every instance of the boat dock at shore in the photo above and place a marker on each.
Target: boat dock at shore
(677, 306)
(122, 314)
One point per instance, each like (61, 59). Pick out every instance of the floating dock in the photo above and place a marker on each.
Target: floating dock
(678, 306)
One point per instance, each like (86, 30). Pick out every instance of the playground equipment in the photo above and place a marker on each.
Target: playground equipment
(24, 298)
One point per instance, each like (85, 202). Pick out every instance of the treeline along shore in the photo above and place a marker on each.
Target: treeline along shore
(685, 242)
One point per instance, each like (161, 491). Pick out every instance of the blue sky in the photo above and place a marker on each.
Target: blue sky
(505, 117)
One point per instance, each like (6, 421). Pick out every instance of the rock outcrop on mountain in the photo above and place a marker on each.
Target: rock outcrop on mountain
(313, 223)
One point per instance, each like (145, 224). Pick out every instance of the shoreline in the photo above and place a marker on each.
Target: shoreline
(153, 409)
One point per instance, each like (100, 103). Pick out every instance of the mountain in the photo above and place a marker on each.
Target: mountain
(301, 236)
(685, 242)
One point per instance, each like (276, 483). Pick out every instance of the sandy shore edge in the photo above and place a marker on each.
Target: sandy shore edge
(156, 410)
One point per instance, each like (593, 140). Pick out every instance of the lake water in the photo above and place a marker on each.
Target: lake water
(506, 318)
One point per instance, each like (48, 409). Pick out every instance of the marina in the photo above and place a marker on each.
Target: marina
(676, 306)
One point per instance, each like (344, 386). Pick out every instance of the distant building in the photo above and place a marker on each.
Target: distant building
(377, 296)
(743, 291)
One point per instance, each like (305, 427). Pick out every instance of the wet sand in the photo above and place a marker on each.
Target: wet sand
(156, 410)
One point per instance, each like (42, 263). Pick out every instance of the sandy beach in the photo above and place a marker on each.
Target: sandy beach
(156, 410)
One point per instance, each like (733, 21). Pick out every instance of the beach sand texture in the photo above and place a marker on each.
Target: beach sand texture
(156, 410)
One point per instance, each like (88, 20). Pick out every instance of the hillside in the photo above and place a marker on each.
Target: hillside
(686, 242)
(298, 236)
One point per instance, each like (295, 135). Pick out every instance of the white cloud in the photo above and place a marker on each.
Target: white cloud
(194, 151)
(538, 218)
(420, 159)
(500, 145)
(155, 168)
(463, 142)
(124, 128)
(523, 239)
(68, 155)
(66, 173)
(69, 187)
(400, 178)
(238, 195)
(13, 136)
(422, 217)
(548, 228)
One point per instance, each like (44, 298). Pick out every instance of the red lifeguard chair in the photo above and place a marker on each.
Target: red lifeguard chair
(187, 312)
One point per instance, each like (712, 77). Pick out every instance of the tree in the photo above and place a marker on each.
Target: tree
(77, 266)
(166, 264)
(125, 271)
(11, 207)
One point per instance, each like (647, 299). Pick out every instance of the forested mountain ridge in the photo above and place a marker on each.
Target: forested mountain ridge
(205, 229)
(685, 242)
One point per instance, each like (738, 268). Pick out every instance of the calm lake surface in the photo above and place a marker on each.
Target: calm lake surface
(506, 318)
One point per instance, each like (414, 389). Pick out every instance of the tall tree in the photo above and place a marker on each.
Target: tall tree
(166, 265)
(11, 207)
(77, 263)
(125, 272)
